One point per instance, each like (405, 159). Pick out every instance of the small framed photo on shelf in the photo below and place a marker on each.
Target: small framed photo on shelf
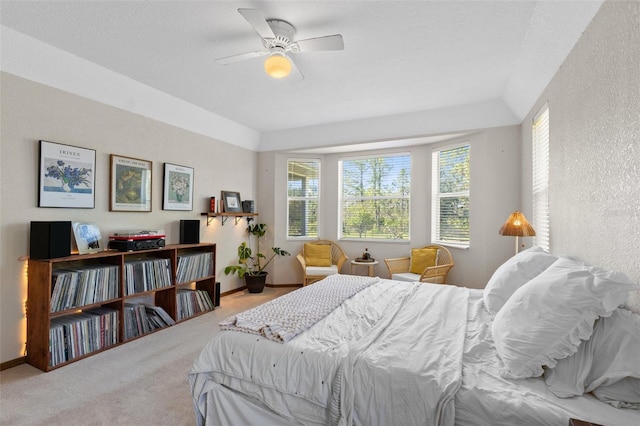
(178, 187)
(87, 237)
(130, 189)
(231, 202)
(67, 176)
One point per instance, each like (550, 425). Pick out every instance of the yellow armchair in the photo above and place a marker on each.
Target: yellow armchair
(399, 268)
(312, 274)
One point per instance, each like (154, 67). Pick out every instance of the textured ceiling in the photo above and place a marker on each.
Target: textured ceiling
(400, 56)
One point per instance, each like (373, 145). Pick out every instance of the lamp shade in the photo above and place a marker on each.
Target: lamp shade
(517, 226)
(277, 66)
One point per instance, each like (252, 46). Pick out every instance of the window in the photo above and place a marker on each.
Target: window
(450, 196)
(540, 179)
(303, 193)
(374, 197)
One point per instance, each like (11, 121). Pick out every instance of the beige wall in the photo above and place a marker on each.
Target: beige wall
(495, 183)
(594, 105)
(31, 112)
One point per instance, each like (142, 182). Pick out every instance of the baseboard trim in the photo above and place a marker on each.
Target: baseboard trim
(244, 287)
(235, 290)
(283, 285)
(13, 363)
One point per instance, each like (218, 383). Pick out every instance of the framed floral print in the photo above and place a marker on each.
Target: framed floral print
(178, 187)
(67, 176)
(130, 184)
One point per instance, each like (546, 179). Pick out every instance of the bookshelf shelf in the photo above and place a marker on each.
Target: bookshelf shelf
(81, 305)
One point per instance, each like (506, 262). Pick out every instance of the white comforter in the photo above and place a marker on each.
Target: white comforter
(391, 354)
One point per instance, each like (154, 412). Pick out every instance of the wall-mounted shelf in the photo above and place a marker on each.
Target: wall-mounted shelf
(225, 216)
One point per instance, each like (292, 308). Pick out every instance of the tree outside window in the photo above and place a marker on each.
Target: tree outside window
(374, 197)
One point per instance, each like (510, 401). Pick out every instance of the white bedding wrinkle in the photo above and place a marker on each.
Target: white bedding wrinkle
(407, 370)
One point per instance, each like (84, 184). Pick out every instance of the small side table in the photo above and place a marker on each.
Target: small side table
(369, 264)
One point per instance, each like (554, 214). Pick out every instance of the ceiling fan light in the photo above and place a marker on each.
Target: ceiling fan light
(277, 66)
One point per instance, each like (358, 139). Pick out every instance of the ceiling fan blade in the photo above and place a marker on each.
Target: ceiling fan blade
(241, 57)
(331, 42)
(296, 74)
(257, 21)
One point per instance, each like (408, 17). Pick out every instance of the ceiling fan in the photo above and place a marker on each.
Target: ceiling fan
(278, 40)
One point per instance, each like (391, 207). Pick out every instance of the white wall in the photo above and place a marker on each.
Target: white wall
(594, 106)
(31, 111)
(495, 183)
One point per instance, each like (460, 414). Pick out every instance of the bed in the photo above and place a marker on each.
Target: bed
(370, 351)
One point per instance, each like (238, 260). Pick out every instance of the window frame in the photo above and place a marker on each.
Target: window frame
(436, 195)
(317, 199)
(340, 218)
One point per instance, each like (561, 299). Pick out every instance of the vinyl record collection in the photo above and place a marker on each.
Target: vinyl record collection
(147, 275)
(140, 319)
(194, 266)
(76, 335)
(191, 302)
(84, 286)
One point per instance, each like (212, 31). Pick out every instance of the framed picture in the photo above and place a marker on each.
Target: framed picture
(178, 187)
(130, 184)
(87, 237)
(231, 201)
(67, 176)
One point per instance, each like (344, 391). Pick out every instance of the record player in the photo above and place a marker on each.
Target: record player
(137, 240)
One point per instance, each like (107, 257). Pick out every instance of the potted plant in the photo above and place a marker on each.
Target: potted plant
(249, 264)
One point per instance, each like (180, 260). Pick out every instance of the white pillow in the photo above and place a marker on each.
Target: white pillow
(607, 364)
(513, 274)
(545, 319)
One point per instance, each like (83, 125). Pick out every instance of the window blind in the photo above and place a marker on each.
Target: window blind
(375, 197)
(540, 180)
(450, 195)
(303, 194)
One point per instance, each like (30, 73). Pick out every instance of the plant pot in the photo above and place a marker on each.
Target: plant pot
(255, 283)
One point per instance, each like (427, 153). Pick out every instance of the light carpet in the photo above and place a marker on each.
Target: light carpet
(143, 382)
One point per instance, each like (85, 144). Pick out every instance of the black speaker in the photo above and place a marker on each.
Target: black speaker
(189, 231)
(49, 240)
(216, 301)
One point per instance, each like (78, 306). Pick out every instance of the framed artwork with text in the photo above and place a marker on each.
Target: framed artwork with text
(67, 176)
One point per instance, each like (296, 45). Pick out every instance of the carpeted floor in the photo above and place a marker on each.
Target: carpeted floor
(143, 382)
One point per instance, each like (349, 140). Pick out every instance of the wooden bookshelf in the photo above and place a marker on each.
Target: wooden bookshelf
(91, 308)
